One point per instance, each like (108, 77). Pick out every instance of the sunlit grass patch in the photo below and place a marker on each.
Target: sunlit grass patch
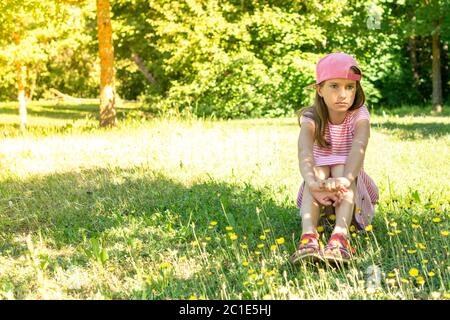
(179, 209)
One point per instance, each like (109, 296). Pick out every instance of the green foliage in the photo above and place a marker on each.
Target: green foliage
(224, 58)
(56, 54)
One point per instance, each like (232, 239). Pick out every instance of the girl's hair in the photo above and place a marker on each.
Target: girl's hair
(319, 112)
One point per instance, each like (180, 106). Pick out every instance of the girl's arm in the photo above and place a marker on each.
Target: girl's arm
(356, 156)
(305, 154)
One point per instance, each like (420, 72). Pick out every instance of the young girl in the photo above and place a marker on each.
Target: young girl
(332, 143)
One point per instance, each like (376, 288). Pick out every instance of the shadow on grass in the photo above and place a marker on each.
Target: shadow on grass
(66, 111)
(119, 207)
(74, 112)
(412, 131)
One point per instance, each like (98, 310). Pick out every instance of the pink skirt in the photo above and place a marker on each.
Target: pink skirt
(367, 196)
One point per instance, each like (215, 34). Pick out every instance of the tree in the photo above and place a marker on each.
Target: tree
(430, 19)
(18, 20)
(106, 53)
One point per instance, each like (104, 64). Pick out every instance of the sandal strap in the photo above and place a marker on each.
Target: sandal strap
(339, 241)
(313, 241)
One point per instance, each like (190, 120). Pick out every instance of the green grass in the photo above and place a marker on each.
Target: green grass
(130, 213)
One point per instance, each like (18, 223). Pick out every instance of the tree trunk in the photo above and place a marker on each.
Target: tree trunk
(141, 65)
(106, 52)
(20, 76)
(437, 79)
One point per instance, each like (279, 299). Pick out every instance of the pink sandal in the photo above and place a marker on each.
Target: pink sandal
(309, 248)
(338, 249)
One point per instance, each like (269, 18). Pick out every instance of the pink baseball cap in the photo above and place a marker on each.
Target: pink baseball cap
(336, 65)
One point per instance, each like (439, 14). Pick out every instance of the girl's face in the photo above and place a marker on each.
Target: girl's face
(338, 94)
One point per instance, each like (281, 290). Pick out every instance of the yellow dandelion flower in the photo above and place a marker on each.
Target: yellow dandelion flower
(244, 246)
(404, 280)
(320, 229)
(391, 275)
(280, 240)
(273, 247)
(444, 233)
(193, 297)
(432, 206)
(391, 234)
(257, 253)
(270, 273)
(354, 235)
(252, 276)
(369, 227)
(446, 295)
(229, 228)
(437, 220)
(261, 245)
(415, 221)
(262, 237)
(411, 251)
(421, 246)
(213, 223)
(208, 238)
(245, 263)
(413, 272)
(245, 283)
(352, 228)
(425, 261)
(332, 217)
(165, 265)
(398, 231)
(210, 227)
(431, 274)
(251, 271)
(367, 238)
(420, 280)
(415, 226)
(233, 236)
(267, 230)
(260, 283)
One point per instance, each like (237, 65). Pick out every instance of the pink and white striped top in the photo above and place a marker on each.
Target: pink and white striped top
(340, 137)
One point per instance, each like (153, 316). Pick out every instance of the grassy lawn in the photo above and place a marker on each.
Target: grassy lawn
(179, 209)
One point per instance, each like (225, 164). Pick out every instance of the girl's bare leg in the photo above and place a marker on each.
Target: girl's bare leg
(310, 207)
(344, 211)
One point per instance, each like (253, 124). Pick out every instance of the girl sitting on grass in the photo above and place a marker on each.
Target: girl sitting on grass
(331, 147)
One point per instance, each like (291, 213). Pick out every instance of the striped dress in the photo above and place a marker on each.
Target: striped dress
(340, 137)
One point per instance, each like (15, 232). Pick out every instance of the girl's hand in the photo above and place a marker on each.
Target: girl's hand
(324, 197)
(337, 184)
(327, 198)
(317, 185)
